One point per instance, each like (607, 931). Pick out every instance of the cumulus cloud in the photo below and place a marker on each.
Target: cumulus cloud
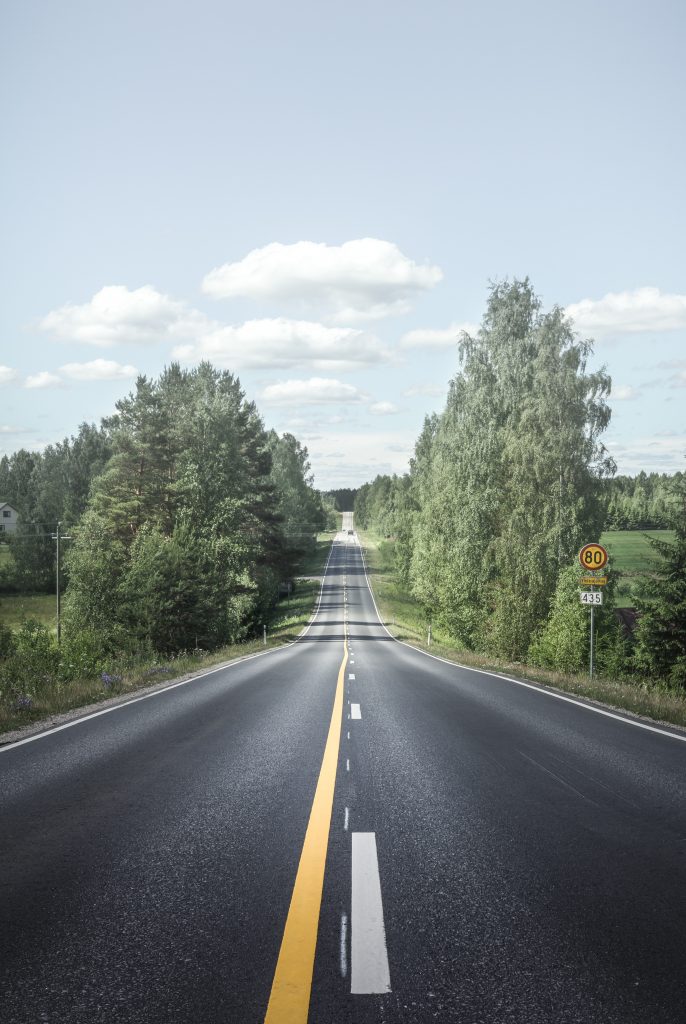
(98, 369)
(363, 279)
(383, 408)
(315, 391)
(644, 309)
(280, 343)
(43, 380)
(7, 374)
(442, 337)
(117, 314)
(624, 393)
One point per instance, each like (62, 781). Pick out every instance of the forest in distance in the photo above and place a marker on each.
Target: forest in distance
(185, 516)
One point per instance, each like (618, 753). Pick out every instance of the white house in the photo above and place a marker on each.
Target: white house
(8, 518)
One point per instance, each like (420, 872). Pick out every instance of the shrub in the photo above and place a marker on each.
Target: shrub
(82, 654)
(34, 662)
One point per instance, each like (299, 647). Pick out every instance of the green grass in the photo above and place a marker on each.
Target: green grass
(406, 620)
(5, 555)
(631, 556)
(14, 608)
(288, 619)
(400, 609)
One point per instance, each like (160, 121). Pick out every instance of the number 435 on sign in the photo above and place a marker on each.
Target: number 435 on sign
(591, 597)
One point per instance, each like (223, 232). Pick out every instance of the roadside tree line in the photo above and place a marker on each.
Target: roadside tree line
(185, 514)
(505, 486)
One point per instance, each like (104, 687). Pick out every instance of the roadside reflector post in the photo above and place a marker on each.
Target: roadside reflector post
(264, 635)
(428, 639)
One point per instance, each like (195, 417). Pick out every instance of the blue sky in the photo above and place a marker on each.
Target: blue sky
(317, 196)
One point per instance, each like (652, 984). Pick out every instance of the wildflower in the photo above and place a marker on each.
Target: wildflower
(109, 680)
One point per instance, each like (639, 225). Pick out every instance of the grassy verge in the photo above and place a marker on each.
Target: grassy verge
(631, 556)
(405, 619)
(288, 619)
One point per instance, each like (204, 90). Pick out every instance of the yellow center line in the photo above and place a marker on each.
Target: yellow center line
(289, 1001)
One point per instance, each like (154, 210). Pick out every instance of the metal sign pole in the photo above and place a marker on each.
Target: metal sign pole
(591, 659)
(593, 558)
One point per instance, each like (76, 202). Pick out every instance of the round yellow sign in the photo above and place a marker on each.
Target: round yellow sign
(593, 556)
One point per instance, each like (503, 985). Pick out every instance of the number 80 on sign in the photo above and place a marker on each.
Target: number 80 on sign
(593, 556)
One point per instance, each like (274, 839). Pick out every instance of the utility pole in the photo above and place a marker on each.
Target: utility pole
(58, 537)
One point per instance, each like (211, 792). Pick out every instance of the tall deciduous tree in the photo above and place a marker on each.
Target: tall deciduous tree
(510, 487)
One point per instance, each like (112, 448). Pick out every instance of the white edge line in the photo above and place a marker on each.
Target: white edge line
(173, 686)
(529, 686)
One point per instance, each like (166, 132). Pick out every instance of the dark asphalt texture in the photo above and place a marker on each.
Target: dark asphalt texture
(532, 852)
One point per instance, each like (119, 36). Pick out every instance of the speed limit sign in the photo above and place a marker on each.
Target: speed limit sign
(593, 556)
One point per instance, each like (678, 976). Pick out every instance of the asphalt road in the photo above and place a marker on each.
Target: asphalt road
(495, 853)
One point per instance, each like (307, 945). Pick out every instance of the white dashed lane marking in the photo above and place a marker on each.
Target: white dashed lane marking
(369, 970)
(355, 711)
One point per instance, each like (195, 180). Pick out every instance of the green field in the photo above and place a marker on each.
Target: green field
(631, 556)
(14, 608)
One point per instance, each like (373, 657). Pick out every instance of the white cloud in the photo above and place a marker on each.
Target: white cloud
(678, 380)
(383, 408)
(365, 278)
(98, 369)
(282, 343)
(624, 393)
(117, 315)
(443, 337)
(430, 390)
(14, 430)
(644, 309)
(366, 453)
(672, 364)
(7, 374)
(659, 453)
(316, 391)
(43, 380)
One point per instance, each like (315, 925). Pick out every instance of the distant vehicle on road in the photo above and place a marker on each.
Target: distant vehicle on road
(351, 532)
